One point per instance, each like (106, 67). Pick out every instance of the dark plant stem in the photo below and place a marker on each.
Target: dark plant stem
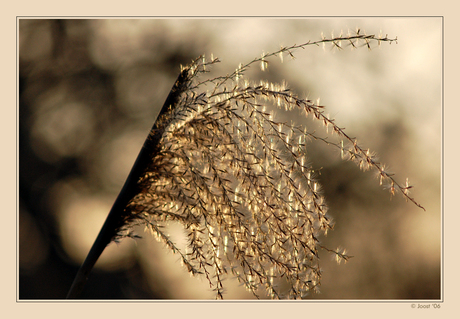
(118, 216)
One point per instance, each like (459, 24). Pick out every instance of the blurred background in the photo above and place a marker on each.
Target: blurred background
(90, 90)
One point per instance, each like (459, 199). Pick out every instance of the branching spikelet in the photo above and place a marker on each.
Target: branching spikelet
(239, 182)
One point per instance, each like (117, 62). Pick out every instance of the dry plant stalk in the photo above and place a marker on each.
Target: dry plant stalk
(219, 163)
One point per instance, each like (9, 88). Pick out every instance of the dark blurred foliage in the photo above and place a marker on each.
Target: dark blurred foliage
(65, 61)
(90, 90)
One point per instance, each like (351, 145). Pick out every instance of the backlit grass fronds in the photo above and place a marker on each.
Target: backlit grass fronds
(238, 179)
